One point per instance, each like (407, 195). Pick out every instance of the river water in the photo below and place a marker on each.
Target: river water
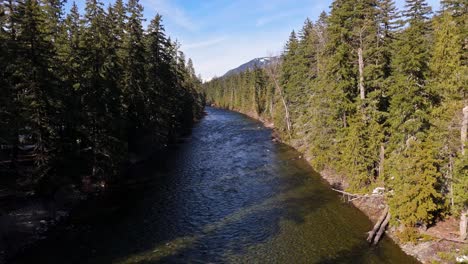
(228, 195)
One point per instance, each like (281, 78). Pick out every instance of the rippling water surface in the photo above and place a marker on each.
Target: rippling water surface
(229, 195)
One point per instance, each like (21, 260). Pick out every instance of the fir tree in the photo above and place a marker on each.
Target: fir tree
(409, 122)
(157, 73)
(415, 183)
(410, 97)
(135, 78)
(38, 83)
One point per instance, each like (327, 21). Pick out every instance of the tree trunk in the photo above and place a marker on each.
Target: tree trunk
(464, 129)
(450, 176)
(377, 224)
(271, 73)
(361, 74)
(286, 110)
(344, 119)
(382, 229)
(382, 160)
(271, 107)
(463, 224)
(232, 99)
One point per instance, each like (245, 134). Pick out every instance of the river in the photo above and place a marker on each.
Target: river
(228, 195)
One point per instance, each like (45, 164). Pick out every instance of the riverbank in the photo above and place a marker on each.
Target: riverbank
(434, 245)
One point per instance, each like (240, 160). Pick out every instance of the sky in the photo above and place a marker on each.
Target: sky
(220, 35)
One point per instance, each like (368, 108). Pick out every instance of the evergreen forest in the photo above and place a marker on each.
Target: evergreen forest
(82, 95)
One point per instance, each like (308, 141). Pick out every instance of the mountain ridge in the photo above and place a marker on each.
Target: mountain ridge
(260, 62)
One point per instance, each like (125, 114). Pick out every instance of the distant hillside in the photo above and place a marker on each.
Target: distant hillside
(260, 62)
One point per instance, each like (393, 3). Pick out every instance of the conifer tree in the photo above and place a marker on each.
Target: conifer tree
(409, 121)
(11, 104)
(71, 70)
(416, 199)
(98, 94)
(157, 76)
(289, 81)
(260, 92)
(135, 78)
(410, 97)
(38, 83)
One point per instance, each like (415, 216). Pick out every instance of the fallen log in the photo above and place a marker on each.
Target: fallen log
(347, 193)
(451, 240)
(382, 229)
(440, 238)
(352, 196)
(377, 225)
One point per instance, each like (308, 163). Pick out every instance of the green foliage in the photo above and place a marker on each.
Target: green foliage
(460, 185)
(449, 74)
(414, 179)
(448, 81)
(260, 91)
(411, 235)
(451, 256)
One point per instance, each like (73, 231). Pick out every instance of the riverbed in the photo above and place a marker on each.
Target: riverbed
(226, 194)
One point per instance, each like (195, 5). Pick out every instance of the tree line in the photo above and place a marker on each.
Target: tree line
(82, 94)
(376, 95)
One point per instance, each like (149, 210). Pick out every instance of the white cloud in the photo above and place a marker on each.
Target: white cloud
(204, 44)
(172, 12)
(269, 19)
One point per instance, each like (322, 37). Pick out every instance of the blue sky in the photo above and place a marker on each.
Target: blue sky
(222, 34)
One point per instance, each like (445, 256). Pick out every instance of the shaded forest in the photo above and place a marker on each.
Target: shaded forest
(377, 96)
(84, 95)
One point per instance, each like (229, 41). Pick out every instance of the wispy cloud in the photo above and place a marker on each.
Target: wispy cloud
(269, 19)
(204, 44)
(172, 12)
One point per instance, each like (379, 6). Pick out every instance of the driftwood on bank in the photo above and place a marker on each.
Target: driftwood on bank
(451, 240)
(351, 196)
(379, 228)
(440, 238)
(377, 225)
(383, 226)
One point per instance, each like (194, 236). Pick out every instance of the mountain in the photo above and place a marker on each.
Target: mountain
(260, 62)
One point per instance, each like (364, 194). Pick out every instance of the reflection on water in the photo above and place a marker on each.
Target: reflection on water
(229, 195)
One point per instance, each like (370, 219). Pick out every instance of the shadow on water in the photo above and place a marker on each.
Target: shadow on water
(231, 234)
(228, 194)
